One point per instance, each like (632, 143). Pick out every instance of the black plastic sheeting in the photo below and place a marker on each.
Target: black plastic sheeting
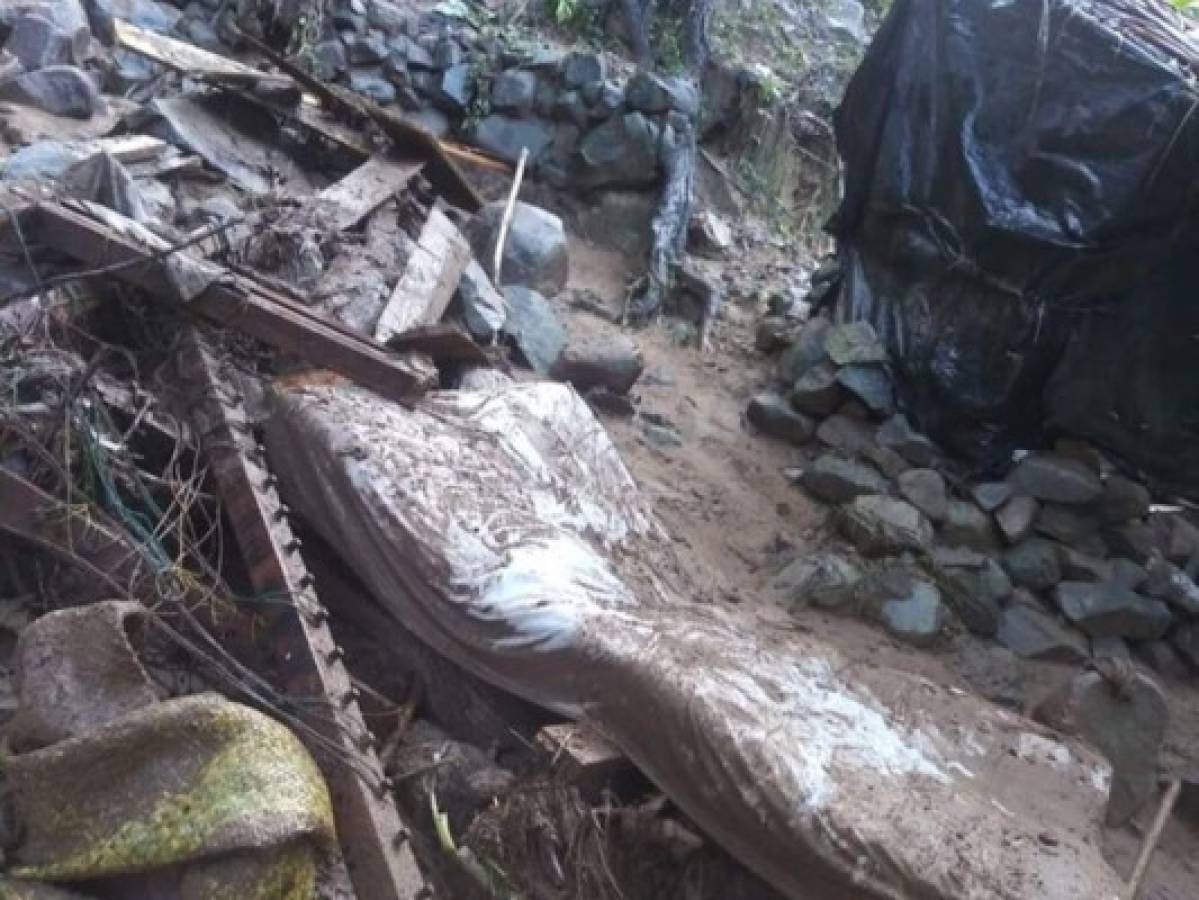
(1019, 223)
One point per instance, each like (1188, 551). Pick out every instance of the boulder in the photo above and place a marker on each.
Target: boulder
(977, 595)
(850, 436)
(1031, 633)
(1106, 609)
(1165, 581)
(535, 251)
(370, 82)
(925, 490)
(390, 18)
(918, 617)
(1056, 479)
(1079, 566)
(484, 309)
(1123, 499)
(581, 68)
(514, 90)
(854, 343)
(897, 434)
(872, 385)
(329, 59)
(774, 333)
(709, 235)
(1124, 715)
(605, 101)
(67, 16)
(1110, 648)
(835, 479)
(968, 526)
(1033, 564)
(58, 90)
(826, 580)
(807, 351)
(454, 89)
(1135, 540)
(366, 49)
(35, 42)
(990, 495)
(534, 327)
(771, 414)
(506, 136)
(611, 361)
(817, 391)
(1126, 572)
(656, 94)
(884, 526)
(147, 14)
(569, 107)
(1068, 524)
(1016, 517)
(620, 151)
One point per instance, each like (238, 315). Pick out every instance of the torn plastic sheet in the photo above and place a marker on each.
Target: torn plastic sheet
(1019, 223)
(503, 529)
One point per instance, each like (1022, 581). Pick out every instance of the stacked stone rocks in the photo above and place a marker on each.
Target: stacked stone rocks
(44, 47)
(1063, 558)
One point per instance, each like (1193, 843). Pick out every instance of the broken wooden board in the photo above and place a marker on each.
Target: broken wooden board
(367, 188)
(443, 342)
(232, 301)
(580, 754)
(194, 61)
(373, 839)
(430, 278)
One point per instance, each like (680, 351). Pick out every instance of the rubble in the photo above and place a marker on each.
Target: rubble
(773, 415)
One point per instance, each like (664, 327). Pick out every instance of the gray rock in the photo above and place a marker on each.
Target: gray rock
(432, 120)
(655, 94)
(582, 68)
(535, 252)
(850, 436)
(846, 19)
(897, 434)
(886, 460)
(807, 351)
(710, 235)
(1033, 564)
(66, 15)
(991, 495)
(925, 490)
(1126, 720)
(1034, 634)
(835, 479)
(506, 137)
(993, 672)
(957, 558)
(484, 309)
(1165, 581)
(447, 54)
(660, 436)
(1127, 573)
(366, 49)
(147, 14)
(1016, 517)
(570, 107)
(1123, 499)
(371, 83)
(611, 361)
(388, 17)
(1105, 609)
(771, 414)
(620, 151)
(1162, 658)
(329, 59)
(817, 391)
(977, 595)
(854, 343)
(1057, 479)
(882, 526)
(1066, 524)
(1078, 566)
(774, 333)
(1135, 540)
(58, 90)
(870, 384)
(418, 56)
(534, 327)
(918, 619)
(514, 90)
(455, 89)
(608, 100)
(1111, 648)
(826, 580)
(1182, 542)
(35, 41)
(1185, 641)
(968, 526)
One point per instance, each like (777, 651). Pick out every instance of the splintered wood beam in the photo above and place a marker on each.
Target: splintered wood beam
(367, 188)
(430, 278)
(307, 661)
(236, 303)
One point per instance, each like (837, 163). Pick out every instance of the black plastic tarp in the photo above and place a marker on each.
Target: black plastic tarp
(1019, 223)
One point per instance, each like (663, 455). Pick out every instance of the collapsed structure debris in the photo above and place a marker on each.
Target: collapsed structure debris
(263, 423)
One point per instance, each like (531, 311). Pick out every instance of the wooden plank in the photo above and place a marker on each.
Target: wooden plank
(429, 280)
(444, 343)
(235, 302)
(367, 188)
(580, 754)
(374, 841)
(193, 61)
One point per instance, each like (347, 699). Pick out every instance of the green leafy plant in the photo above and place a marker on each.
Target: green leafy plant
(564, 11)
